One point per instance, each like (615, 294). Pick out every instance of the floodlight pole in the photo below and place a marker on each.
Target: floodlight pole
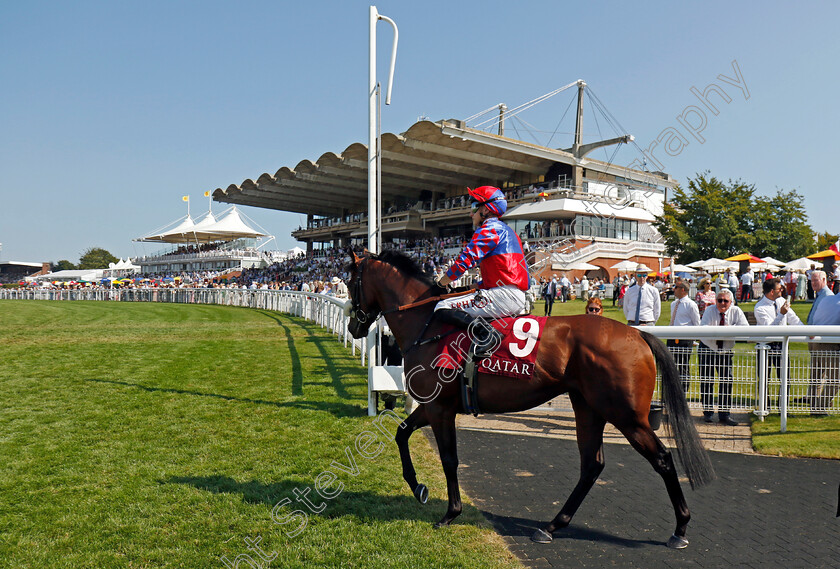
(375, 177)
(373, 170)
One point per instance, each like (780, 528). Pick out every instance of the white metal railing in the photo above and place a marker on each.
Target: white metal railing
(326, 311)
(600, 247)
(808, 383)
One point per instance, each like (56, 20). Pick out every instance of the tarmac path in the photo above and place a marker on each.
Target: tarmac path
(761, 512)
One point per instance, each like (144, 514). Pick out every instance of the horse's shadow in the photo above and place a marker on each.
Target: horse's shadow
(510, 526)
(360, 505)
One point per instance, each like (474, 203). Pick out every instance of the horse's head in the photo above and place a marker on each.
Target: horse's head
(362, 308)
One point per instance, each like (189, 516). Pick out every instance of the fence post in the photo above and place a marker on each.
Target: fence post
(783, 389)
(761, 350)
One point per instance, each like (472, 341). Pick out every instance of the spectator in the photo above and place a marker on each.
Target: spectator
(746, 285)
(716, 356)
(549, 294)
(835, 276)
(617, 282)
(683, 313)
(584, 288)
(773, 310)
(339, 287)
(565, 287)
(732, 284)
(642, 305)
(801, 285)
(825, 357)
(790, 283)
(705, 296)
(594, 307)
(808, 284)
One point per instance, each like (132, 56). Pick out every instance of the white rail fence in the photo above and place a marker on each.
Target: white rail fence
(757, 380)
(809, 383)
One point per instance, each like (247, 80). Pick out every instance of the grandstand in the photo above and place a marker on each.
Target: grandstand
(15, 271)
(567, 208)
(211, 244)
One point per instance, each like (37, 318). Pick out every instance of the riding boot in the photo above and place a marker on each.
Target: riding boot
(485, 338)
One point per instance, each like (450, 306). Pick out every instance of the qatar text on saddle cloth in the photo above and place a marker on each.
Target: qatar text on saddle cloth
(514, 357)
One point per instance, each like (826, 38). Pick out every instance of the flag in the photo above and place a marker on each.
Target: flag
(834, 247)
(186, 198)
(207, 194)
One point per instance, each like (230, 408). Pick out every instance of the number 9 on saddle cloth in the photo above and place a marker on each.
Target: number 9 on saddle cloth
(465, 312)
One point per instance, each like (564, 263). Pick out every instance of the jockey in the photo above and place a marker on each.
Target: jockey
(504, 272)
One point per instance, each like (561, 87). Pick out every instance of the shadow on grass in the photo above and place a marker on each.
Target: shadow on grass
(362, 505)
(335, 372)
(337, 409)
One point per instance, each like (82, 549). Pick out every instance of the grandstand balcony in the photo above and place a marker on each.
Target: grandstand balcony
(214, 260)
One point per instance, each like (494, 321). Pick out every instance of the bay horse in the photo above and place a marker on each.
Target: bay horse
(607, 368)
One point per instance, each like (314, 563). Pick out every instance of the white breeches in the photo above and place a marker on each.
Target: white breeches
(495, 302)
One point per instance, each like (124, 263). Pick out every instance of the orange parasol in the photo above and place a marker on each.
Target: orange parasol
(745, 257)
(825, 254)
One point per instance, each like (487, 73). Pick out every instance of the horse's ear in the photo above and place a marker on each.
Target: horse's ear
(352, 254)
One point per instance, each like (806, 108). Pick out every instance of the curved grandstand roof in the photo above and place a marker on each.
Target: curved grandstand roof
(433, 156)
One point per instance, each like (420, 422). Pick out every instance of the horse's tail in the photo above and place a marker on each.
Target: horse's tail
(690, 449)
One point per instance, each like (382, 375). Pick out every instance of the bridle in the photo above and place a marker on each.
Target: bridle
(356, 299)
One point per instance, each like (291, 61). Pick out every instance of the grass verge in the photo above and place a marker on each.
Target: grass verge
(814, 437)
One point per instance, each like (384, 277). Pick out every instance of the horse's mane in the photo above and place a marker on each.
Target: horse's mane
(408, 266)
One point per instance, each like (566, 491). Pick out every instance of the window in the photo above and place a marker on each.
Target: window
(607, 227)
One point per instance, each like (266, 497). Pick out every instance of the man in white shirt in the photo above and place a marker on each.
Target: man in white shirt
(565, 287)
(774, 310)
(716, 355)
(684, 312)
(746, 286)
(641, 301)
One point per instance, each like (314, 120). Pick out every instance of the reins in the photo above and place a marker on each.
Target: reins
(428, 300)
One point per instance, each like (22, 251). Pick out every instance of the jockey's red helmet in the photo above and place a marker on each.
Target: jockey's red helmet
(490, 196)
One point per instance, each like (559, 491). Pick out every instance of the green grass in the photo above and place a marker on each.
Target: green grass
(817, 437)
(158, 435)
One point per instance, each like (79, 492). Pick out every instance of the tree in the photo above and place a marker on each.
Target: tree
(708, 220)
(96, 258)
(780, 226)
(826, 240)
(63, 265)
(714, 219)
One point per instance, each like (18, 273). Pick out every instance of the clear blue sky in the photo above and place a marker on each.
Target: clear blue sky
(111, 111)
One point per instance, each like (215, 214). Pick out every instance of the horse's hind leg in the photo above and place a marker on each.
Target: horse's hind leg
(645, 441)
(415, 421)
(590, 438)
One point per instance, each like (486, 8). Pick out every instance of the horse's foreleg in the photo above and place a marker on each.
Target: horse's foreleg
(415, 421)
(443, 426)
(590, 438)
(645, 441)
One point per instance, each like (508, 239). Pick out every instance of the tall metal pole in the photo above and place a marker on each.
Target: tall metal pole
(375, 176)
(373, 170)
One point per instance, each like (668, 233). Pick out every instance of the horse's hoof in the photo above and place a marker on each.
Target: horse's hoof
(542, 536)
(441, 524)
(421, 493)
(677, 542)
